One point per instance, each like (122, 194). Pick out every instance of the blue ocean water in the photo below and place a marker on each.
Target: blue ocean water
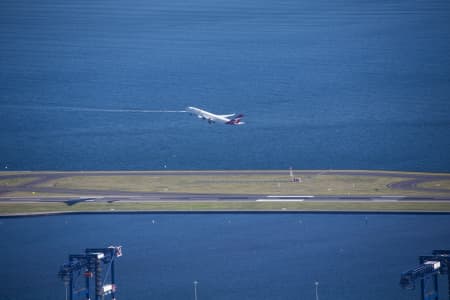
(324, 85)
(244, 256)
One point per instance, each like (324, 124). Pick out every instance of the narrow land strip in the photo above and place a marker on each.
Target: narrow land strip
(371, 191)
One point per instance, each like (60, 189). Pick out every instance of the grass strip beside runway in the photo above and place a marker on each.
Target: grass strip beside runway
(223, 206)
(13, 182)
(314, 184)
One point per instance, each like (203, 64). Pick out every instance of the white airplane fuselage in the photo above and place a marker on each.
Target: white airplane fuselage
(213, 118)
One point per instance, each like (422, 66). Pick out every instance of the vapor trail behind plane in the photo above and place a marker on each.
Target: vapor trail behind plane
(88, 109)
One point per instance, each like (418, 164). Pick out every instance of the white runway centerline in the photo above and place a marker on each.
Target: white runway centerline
(289, 196)
(280, 200)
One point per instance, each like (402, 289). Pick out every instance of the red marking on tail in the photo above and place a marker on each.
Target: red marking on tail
(236, 120)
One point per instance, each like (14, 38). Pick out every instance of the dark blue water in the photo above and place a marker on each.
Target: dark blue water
(233, 256)
(325, 85)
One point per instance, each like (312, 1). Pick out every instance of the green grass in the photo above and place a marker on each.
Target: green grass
(37, 195)
(238, 184)
(438, 184)
(225, 206)
(14, 182)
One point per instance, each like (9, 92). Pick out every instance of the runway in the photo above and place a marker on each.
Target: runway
(32, 183)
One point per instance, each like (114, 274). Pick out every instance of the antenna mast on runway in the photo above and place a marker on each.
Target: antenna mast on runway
(294, 179)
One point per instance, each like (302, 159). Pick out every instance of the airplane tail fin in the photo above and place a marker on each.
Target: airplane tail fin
(236, 120)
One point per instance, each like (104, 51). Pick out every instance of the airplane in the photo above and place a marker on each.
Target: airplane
(231, 119)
